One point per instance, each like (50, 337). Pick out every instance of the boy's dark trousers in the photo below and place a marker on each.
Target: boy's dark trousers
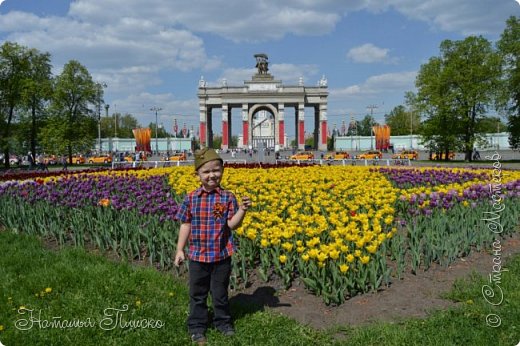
(204, 278)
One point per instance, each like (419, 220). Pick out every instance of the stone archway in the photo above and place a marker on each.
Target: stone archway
(263, 92)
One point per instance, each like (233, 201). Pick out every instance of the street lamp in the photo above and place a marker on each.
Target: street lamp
(100, 91)
(156, 109)
(411, 129)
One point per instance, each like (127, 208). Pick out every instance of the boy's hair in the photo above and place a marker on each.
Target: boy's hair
(205, 155)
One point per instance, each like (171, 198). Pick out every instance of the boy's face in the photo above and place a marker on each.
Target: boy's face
(210, 174)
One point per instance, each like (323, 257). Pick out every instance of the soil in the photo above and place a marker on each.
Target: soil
(412, 296)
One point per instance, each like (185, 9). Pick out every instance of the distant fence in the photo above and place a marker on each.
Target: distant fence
(159, 164)
(352, 162)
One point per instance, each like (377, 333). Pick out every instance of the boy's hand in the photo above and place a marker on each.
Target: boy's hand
(246, 203)
(179, 258)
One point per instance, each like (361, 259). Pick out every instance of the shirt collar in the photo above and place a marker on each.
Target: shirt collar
(201, 190)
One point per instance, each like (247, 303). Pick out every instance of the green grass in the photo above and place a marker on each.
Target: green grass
(84, 285)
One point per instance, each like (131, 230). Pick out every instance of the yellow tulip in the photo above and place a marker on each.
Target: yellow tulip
(343, 268)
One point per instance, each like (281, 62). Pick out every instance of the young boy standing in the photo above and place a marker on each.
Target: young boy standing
(207, 216)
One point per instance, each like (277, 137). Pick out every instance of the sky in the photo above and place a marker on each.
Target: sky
(153, 53)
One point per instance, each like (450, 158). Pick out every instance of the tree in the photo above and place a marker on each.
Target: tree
(217, 142)
(455, 90)
(161, 131)
(14, 66)
(36, 92)
(126, 123)
(364, 127)
(71, 124)
(509, 50)
(491, 125)
(403, 122)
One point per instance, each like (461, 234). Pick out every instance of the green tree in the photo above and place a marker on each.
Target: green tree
(36, 94)
(403, 122)
(14, 67)
(364, 127)
(126, 123)
(71, 127)
(217, 142)
(455, 90)
(161, 131)
(491, 125)
(509, 49)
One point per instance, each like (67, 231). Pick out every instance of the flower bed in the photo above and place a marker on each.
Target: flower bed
(341, 230)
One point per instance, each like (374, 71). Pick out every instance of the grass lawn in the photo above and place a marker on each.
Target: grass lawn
(72, 297)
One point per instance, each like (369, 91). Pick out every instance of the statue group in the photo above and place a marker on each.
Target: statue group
(262, 63)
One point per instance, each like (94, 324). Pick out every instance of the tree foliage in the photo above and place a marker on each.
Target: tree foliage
(36, 93)
(72, 115)
(364, 127)
(403, 122)
(455, 92)
(509, 49)
(14, 67)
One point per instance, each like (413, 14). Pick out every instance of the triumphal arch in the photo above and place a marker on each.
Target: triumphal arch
(263, 94)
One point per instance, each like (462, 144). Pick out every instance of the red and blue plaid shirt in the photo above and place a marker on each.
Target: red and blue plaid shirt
(210, 239)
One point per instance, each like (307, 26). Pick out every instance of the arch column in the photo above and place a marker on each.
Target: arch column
(301, 126)
(226, 124)
(203, 128)
(322, 145)
(280, 139)
(245, 125)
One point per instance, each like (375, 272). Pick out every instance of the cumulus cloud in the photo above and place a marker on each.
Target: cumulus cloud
(467, 17)
(368, 53)
(379, 84)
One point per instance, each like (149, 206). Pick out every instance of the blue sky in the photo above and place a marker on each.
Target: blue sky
(152, 53)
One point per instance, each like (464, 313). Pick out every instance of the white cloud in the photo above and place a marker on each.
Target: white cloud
(468, 17)
(368, 53)
(377, 85)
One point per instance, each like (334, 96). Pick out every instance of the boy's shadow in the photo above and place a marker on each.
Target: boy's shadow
(244, 304)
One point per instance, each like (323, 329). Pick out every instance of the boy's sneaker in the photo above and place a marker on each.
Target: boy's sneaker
(227, 331)
(199, 338)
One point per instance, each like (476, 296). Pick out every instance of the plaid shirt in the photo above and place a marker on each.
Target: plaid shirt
(210, 239)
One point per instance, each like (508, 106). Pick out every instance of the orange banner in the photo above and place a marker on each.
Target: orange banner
(382, 133)
(142, 139)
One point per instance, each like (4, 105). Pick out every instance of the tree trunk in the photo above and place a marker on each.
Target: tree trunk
(6, 137)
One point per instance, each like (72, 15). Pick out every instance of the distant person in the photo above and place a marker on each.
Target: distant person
(41, 163)
(30, 158)
(64, 162)
(476, 154)
(137, 158)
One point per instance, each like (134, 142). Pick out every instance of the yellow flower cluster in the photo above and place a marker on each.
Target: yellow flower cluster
(332, 213)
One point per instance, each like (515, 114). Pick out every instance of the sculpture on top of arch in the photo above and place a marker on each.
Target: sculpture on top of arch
(262, 63)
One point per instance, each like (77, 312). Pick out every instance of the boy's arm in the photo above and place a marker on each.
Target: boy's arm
(237, 219)
(184, 233)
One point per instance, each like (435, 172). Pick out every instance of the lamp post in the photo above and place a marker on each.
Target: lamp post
(411, 129)
(156, 109)
(100, 91)
(371, 107)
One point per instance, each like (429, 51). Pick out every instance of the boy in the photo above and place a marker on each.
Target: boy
(207, 216)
